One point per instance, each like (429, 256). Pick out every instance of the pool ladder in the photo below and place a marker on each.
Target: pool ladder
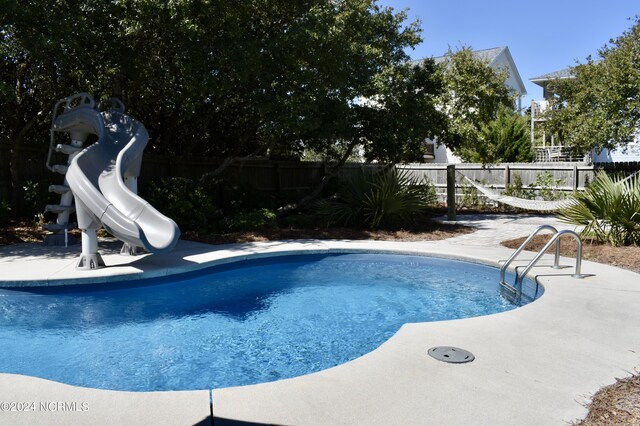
(514, 292)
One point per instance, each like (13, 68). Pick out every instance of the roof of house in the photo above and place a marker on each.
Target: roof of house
(491, 56)
(486, 55)
(563, 73)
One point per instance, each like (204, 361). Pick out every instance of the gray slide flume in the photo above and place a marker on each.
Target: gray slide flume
(103, 180)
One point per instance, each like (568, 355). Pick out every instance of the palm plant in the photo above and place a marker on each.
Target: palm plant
(384, 198)
(609, 210)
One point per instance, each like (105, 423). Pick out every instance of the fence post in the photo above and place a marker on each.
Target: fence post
(507, 177)
(451, 192)
(575, 179)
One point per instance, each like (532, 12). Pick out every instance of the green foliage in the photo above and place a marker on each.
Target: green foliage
(232, 195)
(221, 78)
(226, 79)
(600, 107)
(506, 139)
(545, 187)
(470, 194)
(517, 189)
(401, 114)
(184, 201)
(5, 211)
(251, 220)
(472, 96)
(36, 196)
(609, 210)
(384, 198)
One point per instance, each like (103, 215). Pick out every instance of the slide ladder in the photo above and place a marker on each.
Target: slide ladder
(514, 292)
(66, 207)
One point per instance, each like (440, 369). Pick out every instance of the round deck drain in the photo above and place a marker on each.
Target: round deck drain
(451, 354)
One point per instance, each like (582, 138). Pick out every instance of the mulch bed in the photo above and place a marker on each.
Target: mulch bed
(622, 257)
(23, 231)
(617, 404)
(427, 231)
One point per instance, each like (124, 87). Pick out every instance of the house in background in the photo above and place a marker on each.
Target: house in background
(497, 58)
(548, 147)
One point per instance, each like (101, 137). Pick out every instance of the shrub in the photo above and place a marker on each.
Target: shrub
(384, 198)
(232, 195)
(254, 219)
(5, 211)
(184, 201)
(504, 140)
(36, 196)
(547, 187)
(516, 189)
(609, 210)
(470, 196)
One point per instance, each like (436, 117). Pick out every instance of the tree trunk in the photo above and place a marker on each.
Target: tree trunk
(242, 143)
(289, 209)
(207, 177)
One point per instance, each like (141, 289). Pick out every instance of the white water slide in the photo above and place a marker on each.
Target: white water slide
(103, 180)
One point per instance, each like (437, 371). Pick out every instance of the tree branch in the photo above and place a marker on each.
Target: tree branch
(307, 199)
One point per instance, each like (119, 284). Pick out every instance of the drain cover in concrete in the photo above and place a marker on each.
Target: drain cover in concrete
(451, 354)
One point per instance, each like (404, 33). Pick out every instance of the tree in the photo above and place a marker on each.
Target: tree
(472, 96)
(221, 78)
(404, 113)
(504, 139)
(600, 107)
(42, 45)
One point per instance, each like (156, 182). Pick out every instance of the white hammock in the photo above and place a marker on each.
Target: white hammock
(521, 203)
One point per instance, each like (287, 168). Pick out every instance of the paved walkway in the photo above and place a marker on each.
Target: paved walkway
(493, 229)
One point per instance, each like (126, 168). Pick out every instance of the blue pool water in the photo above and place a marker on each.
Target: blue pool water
(242, 323)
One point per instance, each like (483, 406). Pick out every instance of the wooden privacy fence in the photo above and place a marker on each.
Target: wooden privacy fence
(565, 177)
(286, 178)
(290, 179)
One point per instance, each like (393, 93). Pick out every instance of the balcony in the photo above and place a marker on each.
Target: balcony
(550, 154)
(538, 108)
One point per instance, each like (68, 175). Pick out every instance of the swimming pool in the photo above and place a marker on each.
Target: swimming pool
(241, 323)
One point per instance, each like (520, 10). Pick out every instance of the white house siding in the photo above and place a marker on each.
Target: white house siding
(630, 153)
(498, 58)
(442, 154)
(513, 81)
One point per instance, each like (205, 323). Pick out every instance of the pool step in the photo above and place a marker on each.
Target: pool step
(508, 291)
(508, 287)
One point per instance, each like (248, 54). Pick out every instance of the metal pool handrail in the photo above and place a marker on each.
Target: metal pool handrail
(556, 265)
(553, 240)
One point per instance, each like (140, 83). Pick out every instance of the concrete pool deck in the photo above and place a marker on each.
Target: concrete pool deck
(534, 365)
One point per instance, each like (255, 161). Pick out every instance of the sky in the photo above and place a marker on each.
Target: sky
(542, 35)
